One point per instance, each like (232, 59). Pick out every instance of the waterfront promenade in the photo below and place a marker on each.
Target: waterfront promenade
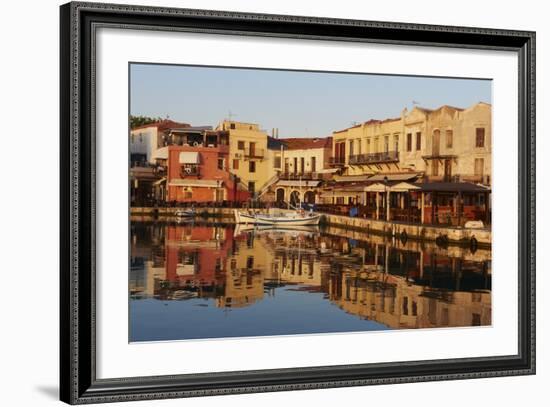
(473, 238)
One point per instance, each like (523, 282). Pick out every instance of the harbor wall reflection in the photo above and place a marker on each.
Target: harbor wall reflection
(399, 284)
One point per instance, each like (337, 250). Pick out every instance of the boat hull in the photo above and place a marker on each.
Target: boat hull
(284, 221)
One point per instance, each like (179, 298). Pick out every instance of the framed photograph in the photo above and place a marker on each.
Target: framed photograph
(254, 203)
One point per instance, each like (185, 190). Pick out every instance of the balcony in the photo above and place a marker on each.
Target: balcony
(253, 153)
(374, 158)
(337, 161)
(301, 175)
(190, 171)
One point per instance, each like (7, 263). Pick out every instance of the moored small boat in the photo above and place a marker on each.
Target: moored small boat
(298, 218)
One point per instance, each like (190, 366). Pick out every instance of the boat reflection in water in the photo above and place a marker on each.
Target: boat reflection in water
(194, 281)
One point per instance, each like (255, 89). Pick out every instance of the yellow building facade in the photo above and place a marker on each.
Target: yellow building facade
(443, 144)
(305, 163)
(248, 154)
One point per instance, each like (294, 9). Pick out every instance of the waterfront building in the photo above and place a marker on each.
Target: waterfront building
(427, 166)
(145, 170)
(247, 154)
(448, 144)
(198, 172)
(305, 163)
(146, 139)
(275, 154)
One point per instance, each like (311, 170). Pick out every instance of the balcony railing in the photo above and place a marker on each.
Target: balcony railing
(254, 153)
(337, 161)
(191, 170)
(300, 175)
(374, 158)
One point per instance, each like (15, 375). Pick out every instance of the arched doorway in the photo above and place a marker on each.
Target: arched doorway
(294, 198)
(309, 197)
(280, 195)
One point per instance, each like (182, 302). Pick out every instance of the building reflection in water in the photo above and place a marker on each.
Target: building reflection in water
(398, 284)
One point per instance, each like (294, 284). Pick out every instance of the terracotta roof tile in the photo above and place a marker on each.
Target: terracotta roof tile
(307, 143)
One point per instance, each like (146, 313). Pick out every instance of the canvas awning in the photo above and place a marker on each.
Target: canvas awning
(351, 178)
(398, 187)
(394, 177)
(328, 171)
(403, 187)
(189, 157)
(296, 183)
(204, 183)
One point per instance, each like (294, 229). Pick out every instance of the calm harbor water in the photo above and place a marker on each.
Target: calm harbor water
(204, 280)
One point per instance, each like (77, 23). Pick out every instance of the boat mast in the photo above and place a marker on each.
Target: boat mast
(300, 197)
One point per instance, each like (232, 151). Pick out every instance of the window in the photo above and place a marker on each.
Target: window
(277, 162)
(250, 262)
(418, 141)
(396, 142)
(313, 164)
(478, 167)
(235, 164)
(221, 163)
(252, 166)
(480, 137)
(368, 146)
(351, 147)
(251, 187)
(232, 126)
(449, 138)
(240, 145)
(358, 145)
(386, 143)
(302, 165)
(409, 141)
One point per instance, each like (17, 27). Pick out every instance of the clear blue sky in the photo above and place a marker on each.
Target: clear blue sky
(300, 104)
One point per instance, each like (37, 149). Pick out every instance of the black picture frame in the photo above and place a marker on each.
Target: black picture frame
(78, 382)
